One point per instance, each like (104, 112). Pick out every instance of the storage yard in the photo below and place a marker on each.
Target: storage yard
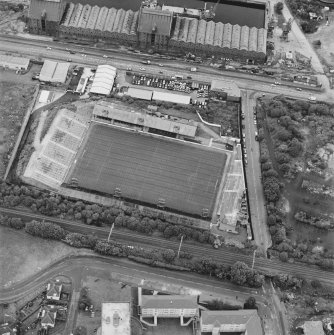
(146, 168)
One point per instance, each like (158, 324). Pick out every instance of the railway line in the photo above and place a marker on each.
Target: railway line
(224, 255)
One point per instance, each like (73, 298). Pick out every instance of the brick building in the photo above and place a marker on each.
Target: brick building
(45, 16)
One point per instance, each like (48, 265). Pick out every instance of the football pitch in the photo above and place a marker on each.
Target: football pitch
(147, 168)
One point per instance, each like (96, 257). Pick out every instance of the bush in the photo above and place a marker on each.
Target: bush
(46, 230)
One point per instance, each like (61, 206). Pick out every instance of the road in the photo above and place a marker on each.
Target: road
(78, 267)
(225, 255)
(36, 48)
(253, 173)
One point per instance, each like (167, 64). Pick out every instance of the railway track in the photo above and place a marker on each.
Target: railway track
(224, 255)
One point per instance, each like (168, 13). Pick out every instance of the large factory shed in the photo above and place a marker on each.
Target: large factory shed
(54, 72)
(121, 115)
(104, 80)
(14, 63)
(139, 93)
(171, 97)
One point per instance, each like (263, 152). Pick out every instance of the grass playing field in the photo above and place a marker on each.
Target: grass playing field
(147, 168)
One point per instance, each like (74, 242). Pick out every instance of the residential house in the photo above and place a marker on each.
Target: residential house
(245, 322)
(53, 290)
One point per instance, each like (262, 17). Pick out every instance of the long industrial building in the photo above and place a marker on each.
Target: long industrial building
(148, 28)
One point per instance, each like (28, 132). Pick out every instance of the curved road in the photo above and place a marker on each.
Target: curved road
(224, 255)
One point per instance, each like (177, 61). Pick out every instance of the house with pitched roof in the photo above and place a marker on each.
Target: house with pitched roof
(53, 290)
(244, 321)
(7, 329)
(48, 316)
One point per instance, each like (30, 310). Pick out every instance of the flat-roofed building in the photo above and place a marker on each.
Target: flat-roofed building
(313, 328)
(44, 16)
(183, 307)
(226, 89)
(116, 318)
(139, 93)
(154, 27)
(171, 97)
(14, 63)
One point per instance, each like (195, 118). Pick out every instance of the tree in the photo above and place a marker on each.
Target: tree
(45, 230)
(271, 189)
(250, 303)
(279, 7)
(168, 255)
(283, 256)
(285, 168)
(295, 148)
(239, 273)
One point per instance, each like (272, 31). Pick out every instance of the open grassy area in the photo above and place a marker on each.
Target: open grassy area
(14, 100)
(147, 168)
(22, 255)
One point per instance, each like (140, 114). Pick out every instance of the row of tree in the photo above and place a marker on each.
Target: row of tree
(239, 273)
(146, 221)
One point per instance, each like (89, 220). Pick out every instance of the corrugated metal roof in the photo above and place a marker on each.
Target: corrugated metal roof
(127, 22)
(244, 38)
(119, 21)
(103, 80)
(261, 40)
(235, 42)
(169, 301)
(200, 38)
(218, 37)
(94, 14)
(100, 22)
(134, 23)
(192, 31)
(155, 21)
(184, 28)
(69, 13)
(84, 16)
(252, 43)
(54, 72)
(125, 114)
(210, 33)
(14, 62)
(176, 30)
(171, 97)
(139, 93)
(76, 15)
(227, 35)
(52, 9)
(112, 12)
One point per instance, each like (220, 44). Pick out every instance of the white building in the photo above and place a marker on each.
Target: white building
(14, 63)
(54, 72)
(116, 318)
(246, 322)
(104, 80)
(167, 306)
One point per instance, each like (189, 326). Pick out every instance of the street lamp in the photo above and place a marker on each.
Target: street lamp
(253, 259)
(111, 229)
(178, 252)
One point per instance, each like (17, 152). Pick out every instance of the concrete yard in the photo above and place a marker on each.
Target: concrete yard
(147, 168)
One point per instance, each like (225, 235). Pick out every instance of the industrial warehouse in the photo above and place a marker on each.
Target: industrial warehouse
(158, 28)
